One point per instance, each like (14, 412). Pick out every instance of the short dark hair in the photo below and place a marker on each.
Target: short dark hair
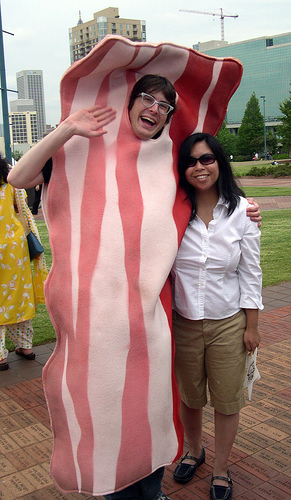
(154, 83)
(226, 184)
(4, 170)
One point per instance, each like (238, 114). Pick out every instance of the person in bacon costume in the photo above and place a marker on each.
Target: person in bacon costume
(116, 217)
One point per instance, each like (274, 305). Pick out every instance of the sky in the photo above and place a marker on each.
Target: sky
(40, 29)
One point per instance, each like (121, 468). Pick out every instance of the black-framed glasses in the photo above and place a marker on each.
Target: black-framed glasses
(148, 101)
(206, 159)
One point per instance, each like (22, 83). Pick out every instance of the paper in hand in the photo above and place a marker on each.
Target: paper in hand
(252, 374)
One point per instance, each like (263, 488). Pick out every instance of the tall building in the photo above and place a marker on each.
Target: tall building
(23, 127)
(84, 36)
(267, 70)
(30, 86)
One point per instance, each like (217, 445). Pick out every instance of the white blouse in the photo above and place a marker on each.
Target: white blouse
(217, 269)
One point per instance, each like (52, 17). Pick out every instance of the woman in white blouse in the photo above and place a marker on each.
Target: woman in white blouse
(217, 295)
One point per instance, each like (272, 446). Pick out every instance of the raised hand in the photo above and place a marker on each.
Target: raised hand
(90, 122)
(84, 122)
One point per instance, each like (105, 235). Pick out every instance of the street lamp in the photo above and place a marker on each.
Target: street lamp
(4, 95)
(265, 138)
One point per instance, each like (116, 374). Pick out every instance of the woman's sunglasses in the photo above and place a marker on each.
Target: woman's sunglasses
(206, 159)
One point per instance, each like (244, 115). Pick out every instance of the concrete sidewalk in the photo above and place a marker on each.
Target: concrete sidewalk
(260, 463)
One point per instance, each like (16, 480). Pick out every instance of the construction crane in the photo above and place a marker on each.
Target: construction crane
(222, 16)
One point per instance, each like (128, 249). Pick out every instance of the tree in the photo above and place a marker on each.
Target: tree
(17, 155)
(226, 139)
(250, 137)
(272, 142)
(284, 130)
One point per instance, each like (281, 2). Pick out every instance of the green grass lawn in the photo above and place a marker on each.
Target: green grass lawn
(276, 246)
(275, 261)
(257, 191)
(43, 233)
(42, 326)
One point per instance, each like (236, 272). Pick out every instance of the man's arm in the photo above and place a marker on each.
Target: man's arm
(85, 122)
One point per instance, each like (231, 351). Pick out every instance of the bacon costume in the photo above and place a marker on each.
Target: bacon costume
(115, 220)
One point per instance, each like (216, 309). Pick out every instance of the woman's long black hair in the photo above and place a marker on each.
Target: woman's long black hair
(226, 184)
(4, 170)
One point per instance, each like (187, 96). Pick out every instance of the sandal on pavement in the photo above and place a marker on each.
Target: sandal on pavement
(29, 356)
(185, 472)
(4, 366)
(218, 492)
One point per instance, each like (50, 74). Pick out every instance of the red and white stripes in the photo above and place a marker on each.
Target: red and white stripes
(115, 222)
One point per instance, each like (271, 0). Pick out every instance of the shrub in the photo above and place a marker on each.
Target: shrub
(273, 170)
(282, 170)
(257, 171)
(280, 156)
(241, 158)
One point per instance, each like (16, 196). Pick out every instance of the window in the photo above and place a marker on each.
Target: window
(269, 42)
(101, 29)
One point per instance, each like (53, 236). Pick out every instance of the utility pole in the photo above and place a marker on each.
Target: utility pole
(4, 95)
(265, 136)
(221, 15)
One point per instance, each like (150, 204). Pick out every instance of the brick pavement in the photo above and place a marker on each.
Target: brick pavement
(260, 463)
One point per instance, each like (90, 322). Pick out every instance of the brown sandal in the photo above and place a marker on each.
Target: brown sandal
(29, 356)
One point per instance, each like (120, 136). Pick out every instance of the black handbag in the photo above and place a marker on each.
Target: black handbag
(34, 246)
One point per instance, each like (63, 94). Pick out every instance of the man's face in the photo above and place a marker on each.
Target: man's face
(147, 122)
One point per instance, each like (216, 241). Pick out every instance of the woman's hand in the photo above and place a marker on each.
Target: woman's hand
(254, 211)
(90, 122)
(252, 339)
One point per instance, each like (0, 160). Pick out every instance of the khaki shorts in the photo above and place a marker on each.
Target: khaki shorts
(213, 351)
